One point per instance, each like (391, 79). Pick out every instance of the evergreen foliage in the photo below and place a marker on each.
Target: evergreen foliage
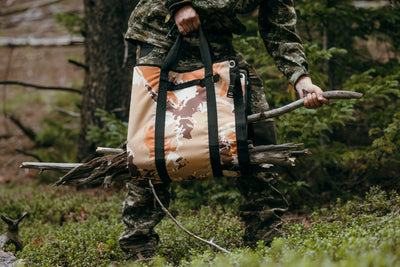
(75, 228)
(354, 143)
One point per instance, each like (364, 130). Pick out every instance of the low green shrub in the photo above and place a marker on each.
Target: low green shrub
(81, 228)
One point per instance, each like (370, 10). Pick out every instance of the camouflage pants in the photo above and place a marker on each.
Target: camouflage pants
(141, 213)
(262, 203)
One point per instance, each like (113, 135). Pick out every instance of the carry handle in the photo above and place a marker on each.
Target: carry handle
(174, 55)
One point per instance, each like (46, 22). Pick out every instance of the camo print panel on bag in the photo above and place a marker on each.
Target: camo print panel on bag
(186, 127)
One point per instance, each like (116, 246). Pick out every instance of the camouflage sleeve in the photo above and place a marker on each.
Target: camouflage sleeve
(174, 5)
(277, 25)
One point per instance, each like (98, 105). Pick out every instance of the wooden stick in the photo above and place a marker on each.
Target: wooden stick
(105, 150)
(211, 243)
(300, 103)
(49, 165)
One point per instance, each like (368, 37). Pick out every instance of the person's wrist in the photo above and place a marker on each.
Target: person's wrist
(175, 5)
(302, 82)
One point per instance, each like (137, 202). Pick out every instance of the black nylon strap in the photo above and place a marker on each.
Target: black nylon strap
(164, 85)
(241, 127)
(171, 60)
(200, 82)
(213, 140)
(159, 145)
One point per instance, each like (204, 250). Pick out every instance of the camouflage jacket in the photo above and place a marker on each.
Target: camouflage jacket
(150, 23)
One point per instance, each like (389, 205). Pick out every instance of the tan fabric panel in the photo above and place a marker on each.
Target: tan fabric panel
(186, 126)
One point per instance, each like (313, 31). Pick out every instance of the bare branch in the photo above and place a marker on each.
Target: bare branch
(26, 130)
(42, 87)
(28, 154)
(76, 63)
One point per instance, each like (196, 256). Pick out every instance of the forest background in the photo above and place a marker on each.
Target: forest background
(355, 144)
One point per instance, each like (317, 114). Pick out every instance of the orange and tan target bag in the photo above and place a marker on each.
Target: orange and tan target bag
(188, 125)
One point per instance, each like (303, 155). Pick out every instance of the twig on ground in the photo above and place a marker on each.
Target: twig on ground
(211, 243)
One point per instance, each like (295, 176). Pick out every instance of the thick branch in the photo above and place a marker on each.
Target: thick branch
(42, 87)
(300, 103)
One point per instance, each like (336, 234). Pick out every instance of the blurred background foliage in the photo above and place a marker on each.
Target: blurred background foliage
(356, 143)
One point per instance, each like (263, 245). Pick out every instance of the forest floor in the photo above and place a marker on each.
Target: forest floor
(37, 65)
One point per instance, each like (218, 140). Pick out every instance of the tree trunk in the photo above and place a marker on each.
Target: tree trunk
(108, 79)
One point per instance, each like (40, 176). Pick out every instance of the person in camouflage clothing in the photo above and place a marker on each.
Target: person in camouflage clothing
(153, 27)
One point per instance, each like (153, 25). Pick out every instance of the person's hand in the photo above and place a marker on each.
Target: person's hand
(187, 20)
(314, 98)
